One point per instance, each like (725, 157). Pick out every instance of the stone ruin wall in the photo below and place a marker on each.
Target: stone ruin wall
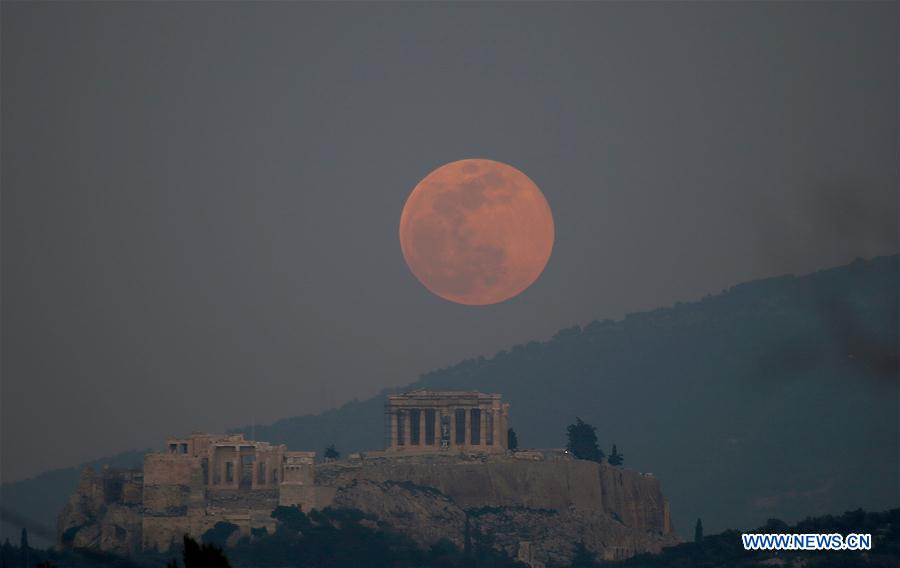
(172, 485)
(177, 501)
(105, 512)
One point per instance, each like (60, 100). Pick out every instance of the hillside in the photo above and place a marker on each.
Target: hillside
(775, 398)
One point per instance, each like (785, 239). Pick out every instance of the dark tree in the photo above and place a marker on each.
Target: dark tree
(583, 441)
(698, 531)
(24, 549)
(203, 556)
(445, 553)
(331, 453)
(218, 535)
(615, 458)
(292, 519)
(512, 441)
(583, 557)
(7, 551)
(467, 540)
(259, 532)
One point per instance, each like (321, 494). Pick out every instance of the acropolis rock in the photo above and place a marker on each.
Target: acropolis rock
(446, 466)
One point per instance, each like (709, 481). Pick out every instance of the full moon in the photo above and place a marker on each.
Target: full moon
(476, 232)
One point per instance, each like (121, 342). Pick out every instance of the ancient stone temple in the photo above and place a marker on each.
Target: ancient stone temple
(424, 421)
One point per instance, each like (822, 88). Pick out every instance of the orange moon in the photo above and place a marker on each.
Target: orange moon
(476, 232)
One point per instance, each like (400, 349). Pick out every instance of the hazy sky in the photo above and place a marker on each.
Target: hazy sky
(200, 202)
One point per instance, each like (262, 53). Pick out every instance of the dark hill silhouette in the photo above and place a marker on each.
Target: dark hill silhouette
(775, 398)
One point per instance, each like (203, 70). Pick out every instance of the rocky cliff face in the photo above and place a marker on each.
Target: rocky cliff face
(422, 513)
(534, 506)
(105, 512)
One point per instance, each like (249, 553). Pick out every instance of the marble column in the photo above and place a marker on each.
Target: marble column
(407, 431)
(421, 426)
(437, 427)
(452, 427)
(393, 417)
(238, 467)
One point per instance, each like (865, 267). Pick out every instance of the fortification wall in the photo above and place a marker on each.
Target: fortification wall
(173, 499)
(169, 469)
(160, 533)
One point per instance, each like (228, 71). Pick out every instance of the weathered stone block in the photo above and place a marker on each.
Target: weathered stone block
(166, 500)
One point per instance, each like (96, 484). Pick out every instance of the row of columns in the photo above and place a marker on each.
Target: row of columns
(489, 427)
(218, 465)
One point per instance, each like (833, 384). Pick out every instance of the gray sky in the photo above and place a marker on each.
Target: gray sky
(200, 202)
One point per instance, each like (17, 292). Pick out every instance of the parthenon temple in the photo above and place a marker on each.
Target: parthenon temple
(423, 421)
